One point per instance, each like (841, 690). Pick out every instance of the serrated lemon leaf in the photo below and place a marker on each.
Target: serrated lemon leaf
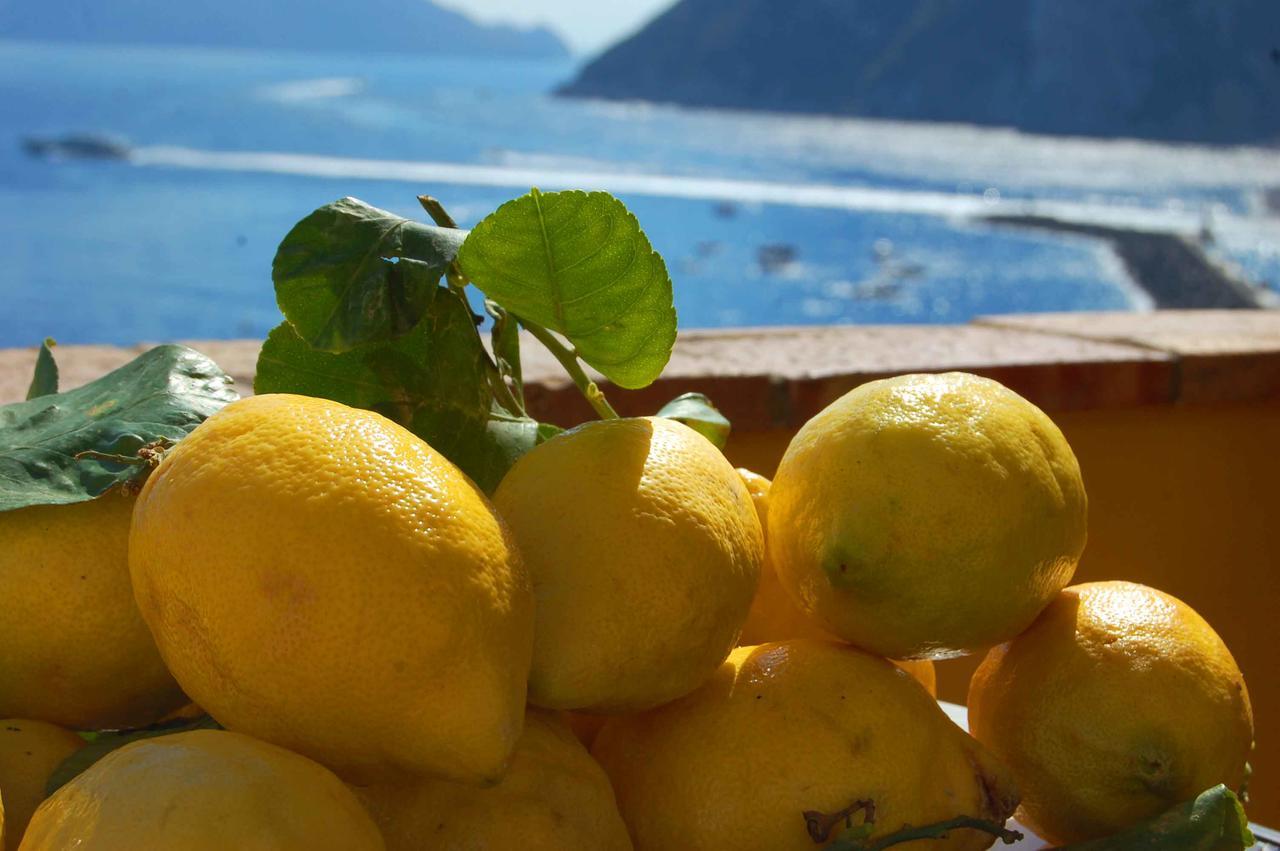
(578, 264)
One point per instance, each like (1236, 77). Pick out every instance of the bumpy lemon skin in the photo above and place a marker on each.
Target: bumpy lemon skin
(645, 552)
(30, 751)
(927, 516)
(1119, 702)
(317, 576)
(204, 790)
(75, 651)
(773, 617)
(789, 727)
(554, 797)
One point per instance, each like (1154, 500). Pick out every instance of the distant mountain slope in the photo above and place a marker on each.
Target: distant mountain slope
(409, 26)
(1189, 70)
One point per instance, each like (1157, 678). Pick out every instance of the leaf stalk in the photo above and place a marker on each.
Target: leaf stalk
(931, 831)
(569, 360)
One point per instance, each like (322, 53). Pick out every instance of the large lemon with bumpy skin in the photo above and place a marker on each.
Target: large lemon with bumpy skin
(554, 797)
(773, 617)
(206, 790)
(75, 650)
(927, 516)
(320, 578)
(785, 743)
(30, 751)
(644, 550)
(1119, 702)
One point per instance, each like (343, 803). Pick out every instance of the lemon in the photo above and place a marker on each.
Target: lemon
(644, 550)
(205, 790)
(1118, 703)
(773, 617)
(30, 751)
(554, 797)
(794, 727)
(927, 516)
(76, 652)
(320, 578)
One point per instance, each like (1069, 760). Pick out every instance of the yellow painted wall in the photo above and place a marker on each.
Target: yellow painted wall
(1186, 499)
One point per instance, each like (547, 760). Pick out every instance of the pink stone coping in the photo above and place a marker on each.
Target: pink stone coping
(764, 378)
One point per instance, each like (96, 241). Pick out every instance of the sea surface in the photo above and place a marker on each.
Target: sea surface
(763, 219)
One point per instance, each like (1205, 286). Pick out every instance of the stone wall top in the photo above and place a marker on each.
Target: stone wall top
(778, 377)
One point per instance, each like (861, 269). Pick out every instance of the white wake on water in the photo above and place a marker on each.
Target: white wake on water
(1172, 218)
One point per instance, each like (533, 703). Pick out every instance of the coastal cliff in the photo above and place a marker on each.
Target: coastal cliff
(1177, 70)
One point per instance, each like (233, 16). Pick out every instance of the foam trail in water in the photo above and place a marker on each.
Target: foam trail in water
(320, 88)
(830, 196)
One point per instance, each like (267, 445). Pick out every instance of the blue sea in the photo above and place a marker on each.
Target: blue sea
(763, 219)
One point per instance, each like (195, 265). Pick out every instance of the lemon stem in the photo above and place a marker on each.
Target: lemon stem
(820, 824)
(148, 454)
(569, 360)
(439, 215)
(937, 830)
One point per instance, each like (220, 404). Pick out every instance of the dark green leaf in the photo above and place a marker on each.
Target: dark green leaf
(287, 364)
(102, 743)
(1214, 821)
(437, 381)
(350, 274)
(164, 393)
(696, 411)
(578, 264)
(44, 382)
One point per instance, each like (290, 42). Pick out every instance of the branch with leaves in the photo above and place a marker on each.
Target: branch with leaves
(378, 314)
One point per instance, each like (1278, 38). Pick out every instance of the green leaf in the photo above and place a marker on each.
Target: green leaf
(1213, 821)
(350, 274)
(102, 743)
(164, 393)
(578, 264)
(696, 411)
(44, 382)
(437, 381)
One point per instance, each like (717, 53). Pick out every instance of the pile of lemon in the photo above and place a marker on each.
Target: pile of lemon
(632, 645)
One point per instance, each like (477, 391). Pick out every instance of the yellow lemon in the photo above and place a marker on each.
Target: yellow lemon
(1118, 703)
(773, 617)
(927, 516)
(644, 550)
(30, 751)
(320, 578)
(783, 741)
(205, 790)
(76, 652)
(554, 797)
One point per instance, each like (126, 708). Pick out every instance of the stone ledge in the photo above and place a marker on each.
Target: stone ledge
(1219, 355)
(778, 377)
